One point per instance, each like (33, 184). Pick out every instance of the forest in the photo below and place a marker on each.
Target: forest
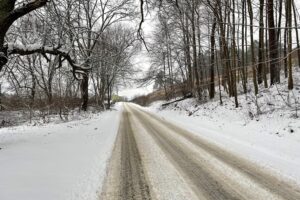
(56, 56)
(54, 53)
(211, 49)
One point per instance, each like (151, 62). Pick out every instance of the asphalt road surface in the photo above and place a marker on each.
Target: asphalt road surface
(156, 159)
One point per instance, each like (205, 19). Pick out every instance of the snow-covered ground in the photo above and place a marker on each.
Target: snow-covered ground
(57, 161)
(22, 117)
(264, 130)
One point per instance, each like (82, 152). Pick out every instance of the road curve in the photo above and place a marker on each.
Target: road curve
(184, 166)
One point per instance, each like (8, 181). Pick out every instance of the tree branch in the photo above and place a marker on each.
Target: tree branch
(141, 23)
(25, 9)
(14, 49)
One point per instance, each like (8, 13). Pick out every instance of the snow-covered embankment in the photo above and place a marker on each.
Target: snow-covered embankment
(270, 139)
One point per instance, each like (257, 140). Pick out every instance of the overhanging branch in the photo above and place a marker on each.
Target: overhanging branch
(14, 49)
(25, 9)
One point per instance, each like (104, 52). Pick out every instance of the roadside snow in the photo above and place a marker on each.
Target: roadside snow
(22, 117)
(268, 134)
(56, 161)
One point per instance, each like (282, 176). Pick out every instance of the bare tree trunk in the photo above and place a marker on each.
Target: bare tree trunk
(212, 60)
(279, 19)
(252, 48)
(199, 63)
(289, 20)
(261, 64)
(195, 63)
(273, 45)
(165, 81)
(234, 59)
(297, 32)
(84, 91)
(1, 106)
(244, 69)
(285, 46)
(219, 80)
(188, 55)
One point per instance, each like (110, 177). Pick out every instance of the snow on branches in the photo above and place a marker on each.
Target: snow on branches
(22, 50)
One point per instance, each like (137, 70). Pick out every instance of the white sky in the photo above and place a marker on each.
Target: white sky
(142, 62)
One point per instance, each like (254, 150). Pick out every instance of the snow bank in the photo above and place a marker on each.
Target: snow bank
(57, 161)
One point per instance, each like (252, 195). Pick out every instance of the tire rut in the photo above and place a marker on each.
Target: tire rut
(200, 163)
(134, 184)
(126, 168)
(203, 184)
(272, 183)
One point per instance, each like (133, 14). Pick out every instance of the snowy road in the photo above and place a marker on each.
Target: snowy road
(155, 159)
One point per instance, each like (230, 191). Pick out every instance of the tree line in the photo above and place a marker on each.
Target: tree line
(54, 53)
(209, 46)
(67, 53)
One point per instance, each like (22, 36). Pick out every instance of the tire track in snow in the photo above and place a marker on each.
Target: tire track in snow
(126, 178)
(264, 181)
(209, 171)
(260, 176)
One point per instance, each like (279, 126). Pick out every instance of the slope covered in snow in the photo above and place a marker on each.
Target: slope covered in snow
(57, 161)
(264, 129)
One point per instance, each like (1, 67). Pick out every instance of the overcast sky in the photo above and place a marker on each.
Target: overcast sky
(142, 62)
